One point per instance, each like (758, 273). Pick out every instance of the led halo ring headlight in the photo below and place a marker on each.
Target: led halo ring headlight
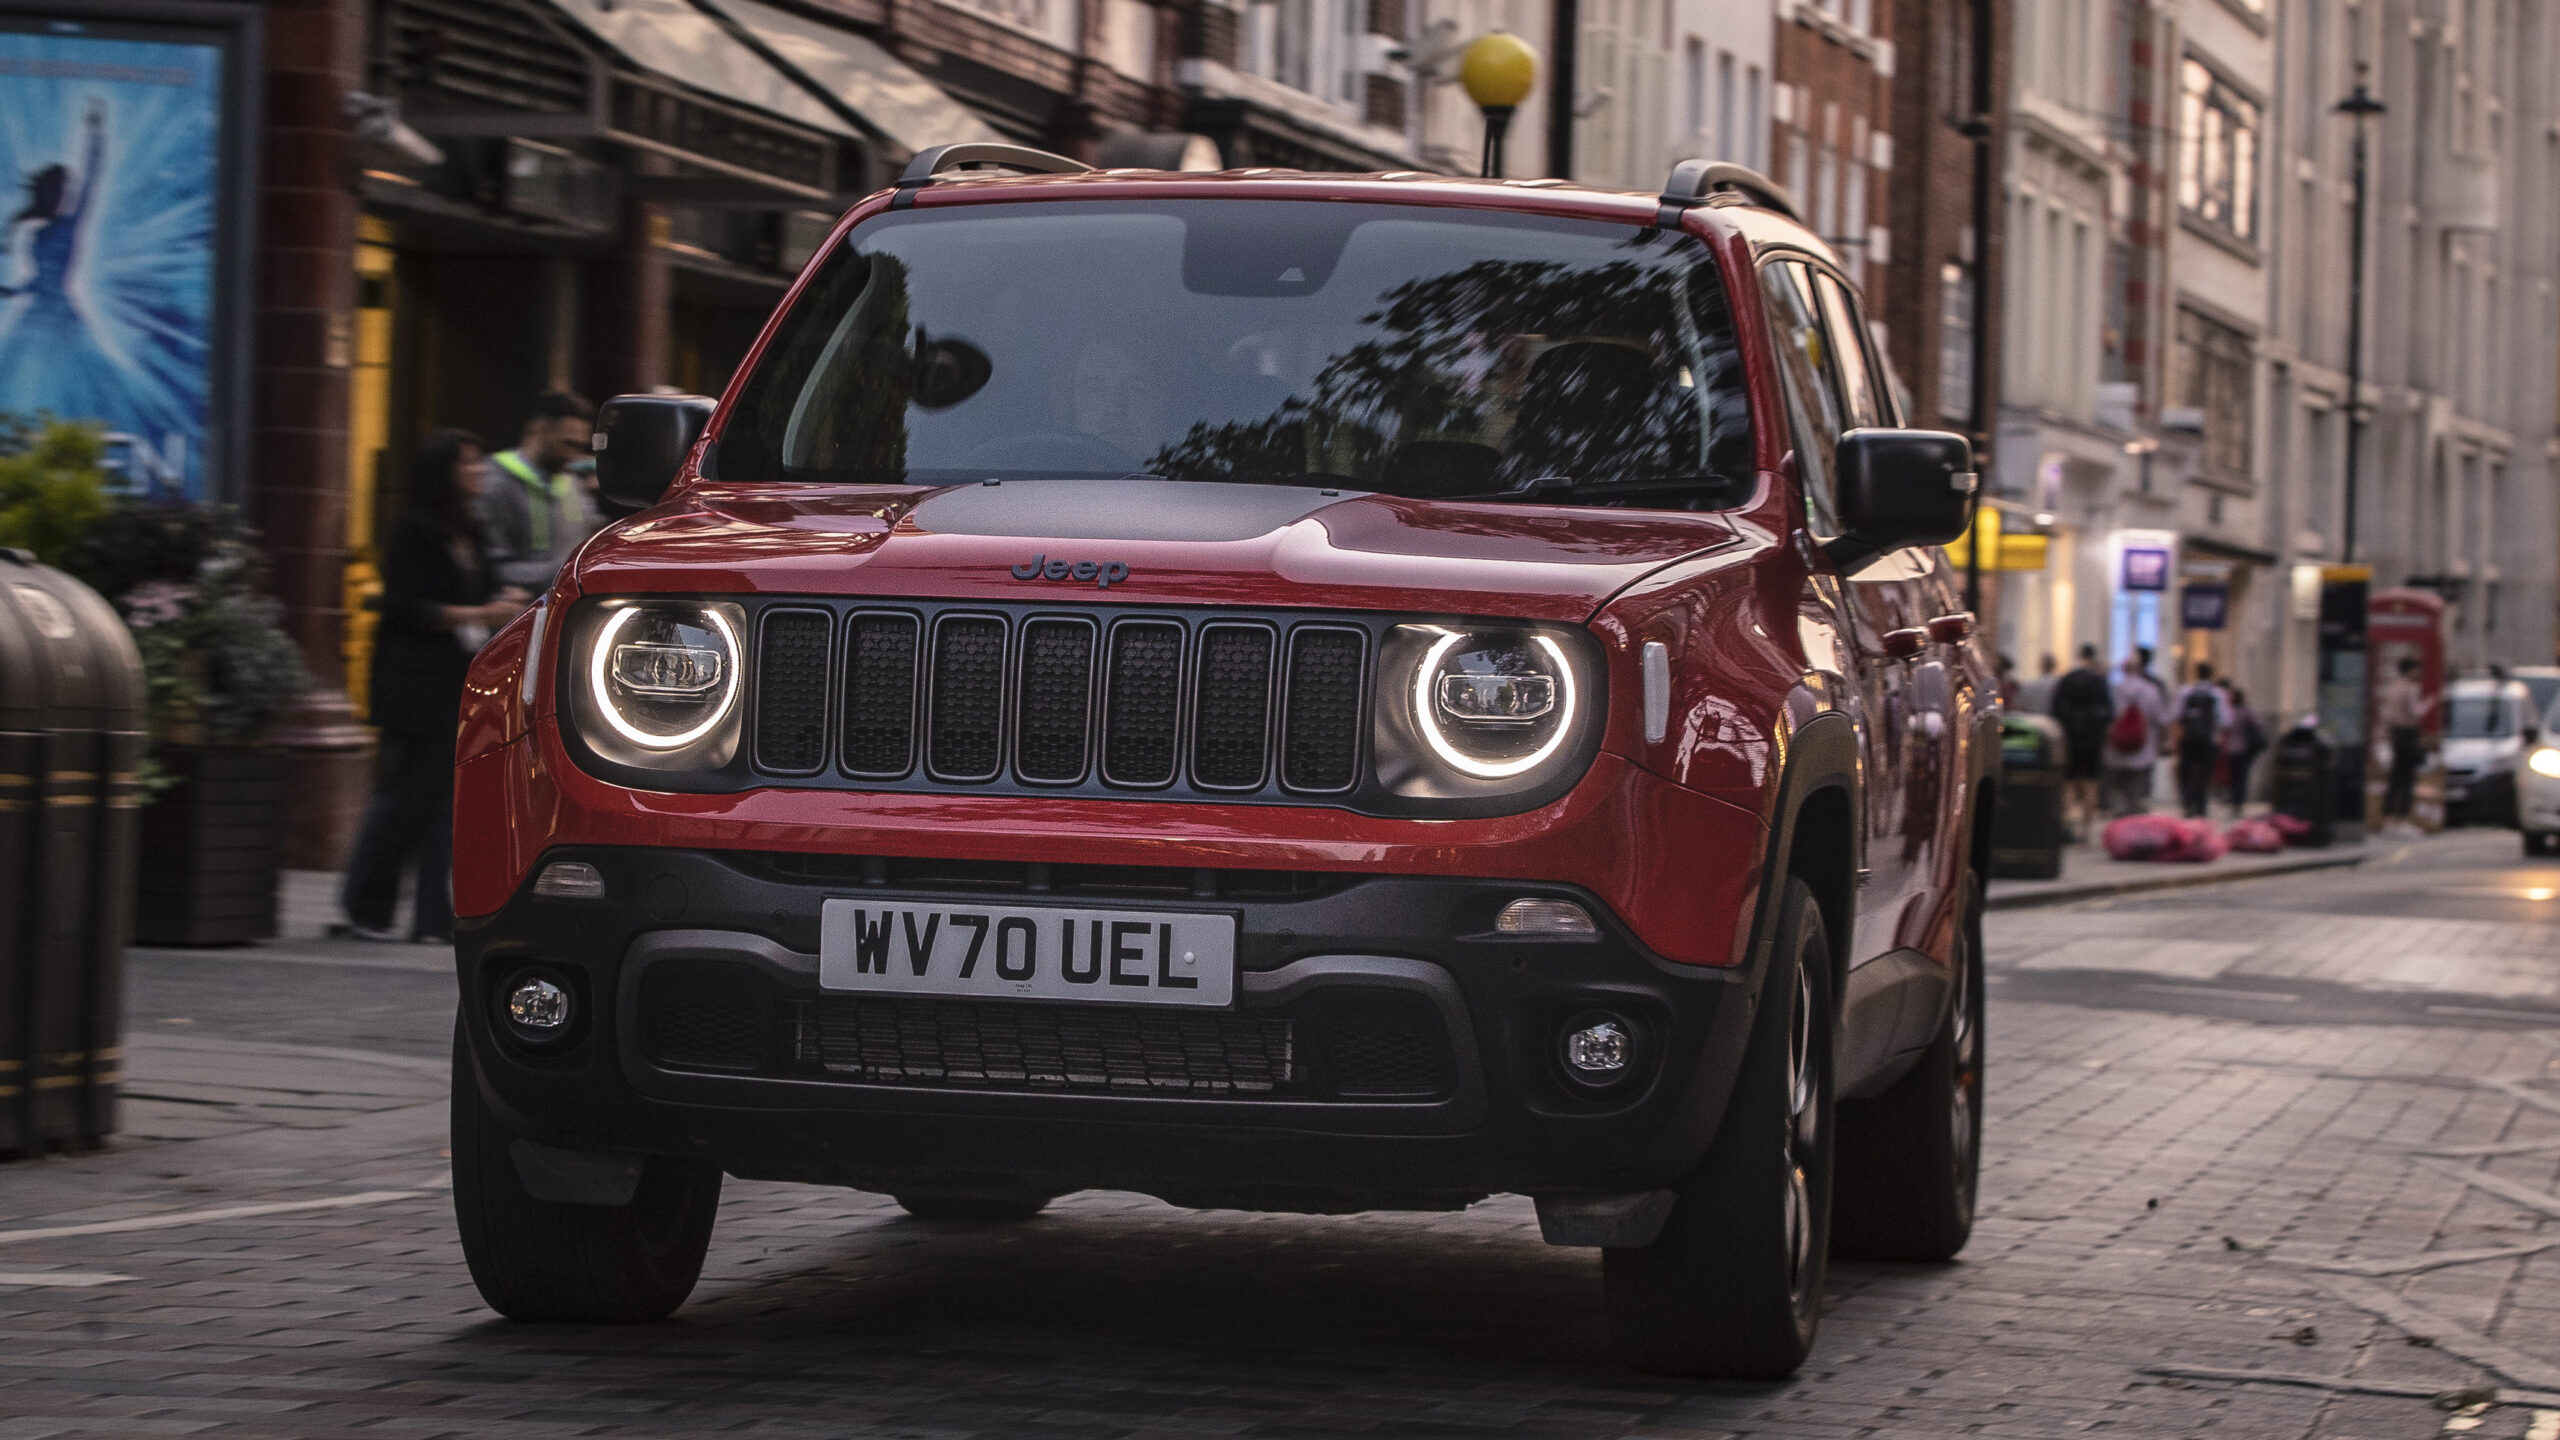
(666, 674)
(1511, 703)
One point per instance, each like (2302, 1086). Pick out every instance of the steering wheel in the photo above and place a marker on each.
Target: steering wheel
(1050, 450)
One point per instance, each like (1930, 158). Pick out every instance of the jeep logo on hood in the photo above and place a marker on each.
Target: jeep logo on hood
(1102, 573)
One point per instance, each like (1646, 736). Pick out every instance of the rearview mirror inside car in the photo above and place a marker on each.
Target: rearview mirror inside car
(1900, 488)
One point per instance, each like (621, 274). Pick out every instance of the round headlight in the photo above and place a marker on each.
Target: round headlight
(665, 676)
(1494, 705)
(2545, 763)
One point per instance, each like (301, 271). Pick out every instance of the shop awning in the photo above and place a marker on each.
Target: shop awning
(675, 39)
(820, 76)
(890, 95)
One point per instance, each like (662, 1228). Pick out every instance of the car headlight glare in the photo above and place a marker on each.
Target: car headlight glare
(2545, 762)
(1494, 705)
(665, 676)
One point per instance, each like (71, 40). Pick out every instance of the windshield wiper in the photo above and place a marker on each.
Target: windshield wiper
(1548, 489)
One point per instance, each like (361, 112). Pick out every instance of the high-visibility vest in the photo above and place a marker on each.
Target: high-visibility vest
(546, 493)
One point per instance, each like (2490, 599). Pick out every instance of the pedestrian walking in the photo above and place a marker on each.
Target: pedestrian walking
(2133, 736)
(2204, 723)
(439, 605)
(540, 504)
(2403, 711)
(2005, 677)
(2084, 706)
(2242, 745)
(2035, 697)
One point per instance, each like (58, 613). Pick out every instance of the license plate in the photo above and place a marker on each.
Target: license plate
(1032, 952)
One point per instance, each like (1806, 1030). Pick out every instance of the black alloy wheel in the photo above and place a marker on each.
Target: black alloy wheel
(1911, 1158)
(535, 1260)
(1732, 1287)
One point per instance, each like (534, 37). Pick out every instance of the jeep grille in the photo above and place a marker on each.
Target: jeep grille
(965, 697)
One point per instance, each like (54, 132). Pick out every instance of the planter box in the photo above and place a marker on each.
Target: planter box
(209, 845)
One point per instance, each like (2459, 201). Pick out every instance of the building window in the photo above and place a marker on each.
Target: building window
(1753, 149)
(2217, 152)
(1955, 62)
(1693, 87)
(1729, 142)
(2217, 379)
(1955, 343)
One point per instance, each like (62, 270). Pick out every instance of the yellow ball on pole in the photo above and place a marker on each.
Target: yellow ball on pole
(1499, 71)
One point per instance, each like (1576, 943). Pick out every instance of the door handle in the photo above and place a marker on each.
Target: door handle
(1903, 644)
(1952, 629)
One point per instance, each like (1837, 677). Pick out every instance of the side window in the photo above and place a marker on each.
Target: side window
(1862, 391)
(1813, 401)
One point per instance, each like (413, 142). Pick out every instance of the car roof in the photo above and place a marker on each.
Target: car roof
(1725, 211)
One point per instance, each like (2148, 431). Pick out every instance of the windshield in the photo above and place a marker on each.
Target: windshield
(1427, 353)
(2478, 717)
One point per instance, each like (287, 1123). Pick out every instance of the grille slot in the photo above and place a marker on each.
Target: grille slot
(1320, 722)
(1141, 711)
(966, 736)
(1231, 707)
(1052, 718)
(880, 694)
(707, 1015)
(1011, 1046)
(791, 694)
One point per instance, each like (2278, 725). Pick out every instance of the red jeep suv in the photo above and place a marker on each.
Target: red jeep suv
(1270, 690)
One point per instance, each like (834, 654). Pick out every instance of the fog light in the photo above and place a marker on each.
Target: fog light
(570, 880)
(1598, 1049)
(538, 1008)
(2545, 763)
(1544, 917)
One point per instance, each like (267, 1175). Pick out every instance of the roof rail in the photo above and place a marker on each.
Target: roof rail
(1693, 182)
(928, 165)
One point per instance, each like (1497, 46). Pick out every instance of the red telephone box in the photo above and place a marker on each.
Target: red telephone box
(2405, 625)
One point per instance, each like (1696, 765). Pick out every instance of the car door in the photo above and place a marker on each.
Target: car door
(1908, 593)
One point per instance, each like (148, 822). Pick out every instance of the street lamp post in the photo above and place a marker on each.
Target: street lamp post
(2360, 105)
(1499, 70)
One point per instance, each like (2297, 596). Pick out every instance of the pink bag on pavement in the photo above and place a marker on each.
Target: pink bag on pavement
(2291, 827)
(2142, 837)
(2255, 836)
(2198, 841)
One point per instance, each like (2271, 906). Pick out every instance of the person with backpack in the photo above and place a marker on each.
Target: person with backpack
(2241, 748)
(2133, 736)
(2204, 723)
(2083, 706)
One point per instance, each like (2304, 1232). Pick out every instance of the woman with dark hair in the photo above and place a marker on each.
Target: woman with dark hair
(438, 607)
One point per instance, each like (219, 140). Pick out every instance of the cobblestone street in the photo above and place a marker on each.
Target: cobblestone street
(2279, 1158)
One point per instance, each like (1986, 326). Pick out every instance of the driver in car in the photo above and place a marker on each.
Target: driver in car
(1116, 399)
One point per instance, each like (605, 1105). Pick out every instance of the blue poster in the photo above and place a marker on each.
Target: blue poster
(109, 179)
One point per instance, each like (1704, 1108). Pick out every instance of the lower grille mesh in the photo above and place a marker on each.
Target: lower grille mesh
(1044, 1047)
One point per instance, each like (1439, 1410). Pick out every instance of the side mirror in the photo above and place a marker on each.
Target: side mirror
(1900, 488)
(641, 442)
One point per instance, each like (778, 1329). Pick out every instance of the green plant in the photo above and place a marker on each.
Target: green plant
(53, 484)
(187, 578)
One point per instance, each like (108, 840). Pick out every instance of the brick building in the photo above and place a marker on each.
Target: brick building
(1832, 118)
(1932, 299)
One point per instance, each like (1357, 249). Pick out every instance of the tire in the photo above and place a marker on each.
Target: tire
(1911, 1158)
(576, 1264)
(1732, 1287)
(989, 1209)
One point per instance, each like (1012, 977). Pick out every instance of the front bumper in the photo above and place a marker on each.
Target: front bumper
(1421, 1063)
(2538, 803)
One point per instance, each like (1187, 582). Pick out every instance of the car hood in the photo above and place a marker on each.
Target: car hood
(1148, 542)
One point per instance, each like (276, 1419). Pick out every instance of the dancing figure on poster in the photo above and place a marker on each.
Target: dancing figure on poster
(49, 332)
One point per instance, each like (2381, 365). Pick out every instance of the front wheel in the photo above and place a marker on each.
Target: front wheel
(1911, 1158)
(581, 1264)
(1732, 1287)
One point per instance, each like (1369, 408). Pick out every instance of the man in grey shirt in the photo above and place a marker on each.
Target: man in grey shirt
(534, 510)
